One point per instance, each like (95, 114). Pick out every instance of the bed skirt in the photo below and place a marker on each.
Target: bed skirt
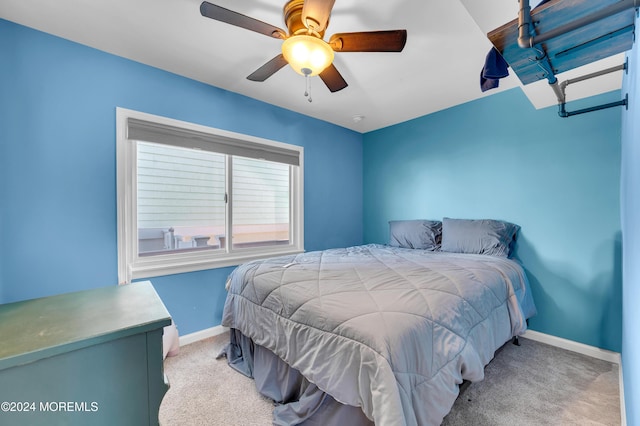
(299, 402)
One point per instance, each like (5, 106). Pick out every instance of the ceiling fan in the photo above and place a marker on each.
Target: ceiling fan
(303, 47)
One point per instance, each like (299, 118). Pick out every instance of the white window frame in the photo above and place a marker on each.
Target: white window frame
(132, 266)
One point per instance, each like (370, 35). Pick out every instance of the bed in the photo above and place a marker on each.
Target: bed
(380, 334)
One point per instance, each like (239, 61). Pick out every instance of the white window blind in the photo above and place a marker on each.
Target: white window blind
(142, 130)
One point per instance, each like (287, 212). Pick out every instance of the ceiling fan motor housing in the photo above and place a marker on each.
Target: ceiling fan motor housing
(292, 12)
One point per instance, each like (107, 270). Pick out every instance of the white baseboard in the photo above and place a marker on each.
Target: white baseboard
(202, 334)
(572, 346)
(591, 351)
(623, 409)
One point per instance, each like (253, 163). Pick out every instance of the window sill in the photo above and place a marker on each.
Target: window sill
(164, 265)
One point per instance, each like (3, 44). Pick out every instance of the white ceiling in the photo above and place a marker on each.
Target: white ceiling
(439, 67)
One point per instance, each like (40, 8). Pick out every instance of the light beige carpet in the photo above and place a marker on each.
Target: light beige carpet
(531, 384)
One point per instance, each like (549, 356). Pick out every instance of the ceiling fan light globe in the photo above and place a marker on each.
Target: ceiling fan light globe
(304, 52)
(300, 52)
(318, 59)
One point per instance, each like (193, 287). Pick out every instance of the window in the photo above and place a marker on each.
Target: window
(192, 197)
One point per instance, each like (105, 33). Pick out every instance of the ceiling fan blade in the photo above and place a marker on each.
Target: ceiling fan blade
(268, 69)
(315, 14)
(371, 41)
(333, 79)
(221, 14)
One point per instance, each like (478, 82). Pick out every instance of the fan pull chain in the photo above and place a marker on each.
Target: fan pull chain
(307, 90)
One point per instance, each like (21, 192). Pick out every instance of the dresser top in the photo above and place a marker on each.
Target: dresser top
(40, 328)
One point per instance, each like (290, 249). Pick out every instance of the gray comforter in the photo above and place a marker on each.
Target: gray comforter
(390, 330)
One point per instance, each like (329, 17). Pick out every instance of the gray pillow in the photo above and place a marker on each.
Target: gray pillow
(415, 234)
(482, 236)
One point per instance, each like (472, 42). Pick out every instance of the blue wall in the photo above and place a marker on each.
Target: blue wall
(58, 153)
(498, 157)
(630, 213)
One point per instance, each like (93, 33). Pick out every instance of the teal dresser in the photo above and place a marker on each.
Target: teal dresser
(91, 357)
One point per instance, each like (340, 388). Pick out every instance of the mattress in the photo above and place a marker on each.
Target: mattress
(392, 331)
